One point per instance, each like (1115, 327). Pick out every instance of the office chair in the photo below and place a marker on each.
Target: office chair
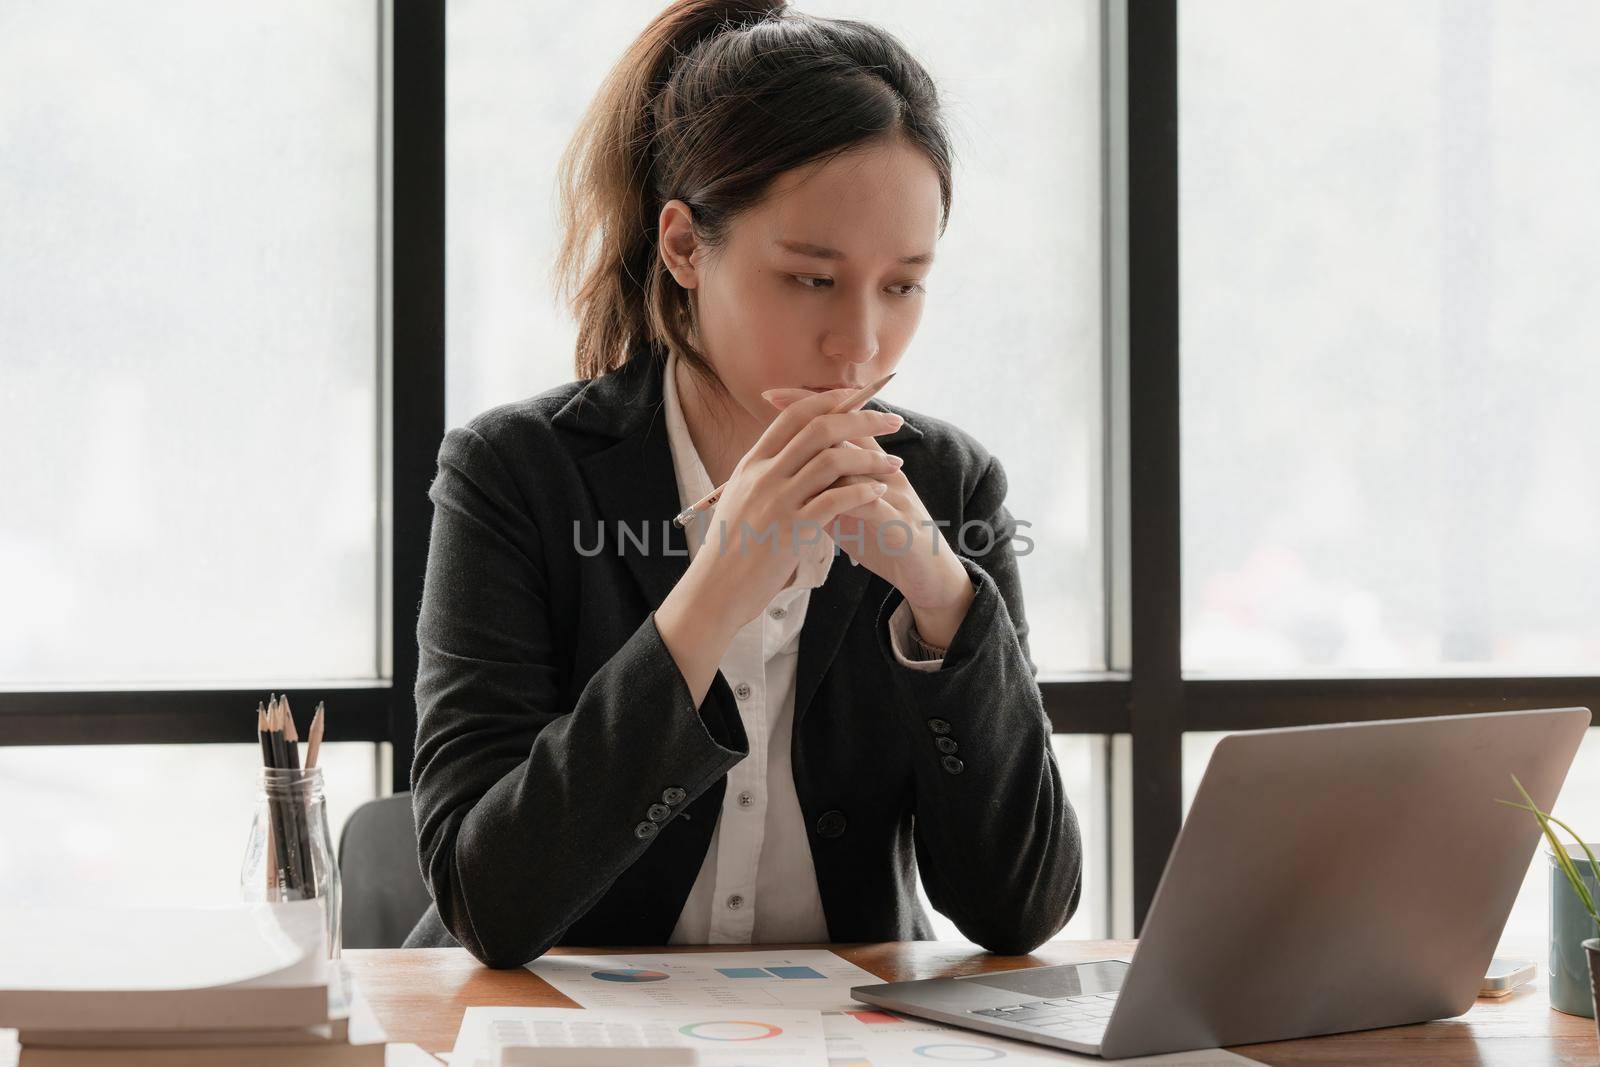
(383, 891)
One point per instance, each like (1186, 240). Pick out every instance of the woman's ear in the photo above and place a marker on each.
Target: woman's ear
(678, 243)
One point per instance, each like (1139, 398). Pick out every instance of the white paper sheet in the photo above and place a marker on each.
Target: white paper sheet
(155, 948)
(872, 1038)
(804, 978)
(741, 1038)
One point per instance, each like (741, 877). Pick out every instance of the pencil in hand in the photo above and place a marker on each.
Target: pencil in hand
(849, 403)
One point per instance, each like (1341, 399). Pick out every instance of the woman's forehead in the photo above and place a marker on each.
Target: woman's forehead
(878, 204)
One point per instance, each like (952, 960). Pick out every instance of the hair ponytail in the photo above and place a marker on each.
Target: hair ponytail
(688, 113)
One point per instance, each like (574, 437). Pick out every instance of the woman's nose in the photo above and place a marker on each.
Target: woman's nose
(853, 336)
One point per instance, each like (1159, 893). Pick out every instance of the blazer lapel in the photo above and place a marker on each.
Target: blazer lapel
(631, 480)
(636, 493)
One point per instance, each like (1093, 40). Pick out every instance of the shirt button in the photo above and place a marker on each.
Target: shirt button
(944, 744)
(745, 799)
(938, 726)
(735, 902)
(953, 764)
(673, 795)
(742, 690)
(779, 613)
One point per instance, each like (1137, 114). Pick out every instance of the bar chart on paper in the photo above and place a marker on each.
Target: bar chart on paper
(804, 978)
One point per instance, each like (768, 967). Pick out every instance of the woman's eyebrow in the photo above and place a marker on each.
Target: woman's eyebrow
(819, 252)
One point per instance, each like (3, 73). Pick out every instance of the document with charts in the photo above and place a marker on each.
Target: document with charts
(800, 978)
(740, 1038)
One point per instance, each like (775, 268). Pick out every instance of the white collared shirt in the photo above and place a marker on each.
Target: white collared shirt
(757, 883)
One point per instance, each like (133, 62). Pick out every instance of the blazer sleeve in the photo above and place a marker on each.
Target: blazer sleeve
(527, 810)
(996, 838)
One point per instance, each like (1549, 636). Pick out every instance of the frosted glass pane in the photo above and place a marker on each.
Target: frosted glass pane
(1009, 346)
(1389, 252)
(188, 347)
(98, 808)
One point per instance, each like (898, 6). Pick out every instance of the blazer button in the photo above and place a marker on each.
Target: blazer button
(645, 830)
(952, 764)
(938, 726)
(674, 795)
(658, 812)
(945, 745)
(831, 824)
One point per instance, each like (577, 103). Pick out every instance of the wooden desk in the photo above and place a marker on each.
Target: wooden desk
(420, 994)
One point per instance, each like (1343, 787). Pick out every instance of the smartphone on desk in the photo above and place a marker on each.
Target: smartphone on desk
(1505, 975)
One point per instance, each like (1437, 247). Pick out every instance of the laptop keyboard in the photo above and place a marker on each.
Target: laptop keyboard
(1080, 1018)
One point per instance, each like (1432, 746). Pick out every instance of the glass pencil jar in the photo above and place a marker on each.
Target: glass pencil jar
(290, 853)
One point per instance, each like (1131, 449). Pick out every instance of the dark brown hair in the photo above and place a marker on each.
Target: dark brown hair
(712, 102)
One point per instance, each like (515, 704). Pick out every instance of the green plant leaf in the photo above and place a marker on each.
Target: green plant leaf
(1563, 860)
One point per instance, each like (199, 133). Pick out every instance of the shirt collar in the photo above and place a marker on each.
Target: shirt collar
(694, 483)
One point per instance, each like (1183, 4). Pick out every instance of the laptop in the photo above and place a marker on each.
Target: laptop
(1327, 879)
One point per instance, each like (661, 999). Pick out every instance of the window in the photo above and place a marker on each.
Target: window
(146, 826)
(1388, 250)
(189, 315)
(189, 369)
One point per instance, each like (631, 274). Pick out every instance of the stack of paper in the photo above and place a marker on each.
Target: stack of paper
(226, 987)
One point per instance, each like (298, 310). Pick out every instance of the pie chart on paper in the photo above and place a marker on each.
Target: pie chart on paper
(731, 1030)
(630, 974)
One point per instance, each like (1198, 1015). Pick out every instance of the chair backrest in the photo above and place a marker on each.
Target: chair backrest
(382, 887)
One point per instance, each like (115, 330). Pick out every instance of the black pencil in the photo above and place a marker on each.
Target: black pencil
(280, 851)
(297, 805)
(286, 806)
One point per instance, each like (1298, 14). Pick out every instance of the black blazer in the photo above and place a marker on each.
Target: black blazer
(552, 718)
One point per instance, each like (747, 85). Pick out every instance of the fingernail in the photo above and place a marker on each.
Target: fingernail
(895, 461)
(879, 488)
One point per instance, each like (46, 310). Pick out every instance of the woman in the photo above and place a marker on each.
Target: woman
(631, 733)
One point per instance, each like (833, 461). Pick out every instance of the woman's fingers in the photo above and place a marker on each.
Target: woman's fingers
(795, 416)
(825, 431)
(832, 503)
(782, 398)
(840, 464)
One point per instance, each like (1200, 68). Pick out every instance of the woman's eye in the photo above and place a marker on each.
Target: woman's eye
(903, 289)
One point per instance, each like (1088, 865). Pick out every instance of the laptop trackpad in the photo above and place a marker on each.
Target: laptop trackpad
(1065, 980)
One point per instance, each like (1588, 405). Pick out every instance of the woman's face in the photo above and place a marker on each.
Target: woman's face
(821, 283)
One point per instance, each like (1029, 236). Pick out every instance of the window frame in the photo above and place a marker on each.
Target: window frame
(1146, 697)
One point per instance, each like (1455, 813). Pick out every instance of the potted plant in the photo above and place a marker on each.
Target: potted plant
(1574, 917)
